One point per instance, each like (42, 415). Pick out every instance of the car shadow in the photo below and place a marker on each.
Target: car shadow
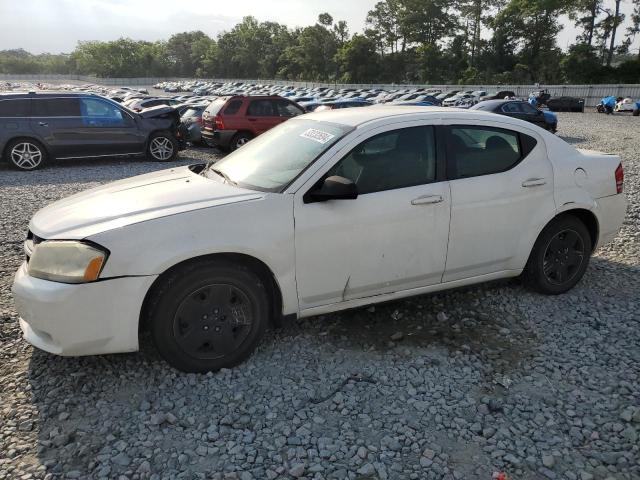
(83, 403)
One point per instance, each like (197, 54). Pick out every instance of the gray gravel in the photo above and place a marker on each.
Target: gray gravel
(450, 386)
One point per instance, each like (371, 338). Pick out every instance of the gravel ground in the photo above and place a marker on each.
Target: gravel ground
(454, 385)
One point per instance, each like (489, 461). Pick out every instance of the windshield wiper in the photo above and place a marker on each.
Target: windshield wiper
(223, 175)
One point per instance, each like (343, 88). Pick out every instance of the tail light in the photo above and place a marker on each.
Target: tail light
(619, 179)
(218, 122)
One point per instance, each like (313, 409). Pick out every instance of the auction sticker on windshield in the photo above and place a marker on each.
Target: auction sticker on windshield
(317, 135)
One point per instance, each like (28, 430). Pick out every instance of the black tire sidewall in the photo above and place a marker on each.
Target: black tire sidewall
(534, 274)
(185, 282)
(13, 143)
(234, 142)
(173, 141)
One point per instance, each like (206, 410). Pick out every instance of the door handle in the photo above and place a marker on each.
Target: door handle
(534, 182)
(427, 200)
(252, 119)
(43, 124)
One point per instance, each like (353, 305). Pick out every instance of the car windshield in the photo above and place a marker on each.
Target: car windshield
(271, 161)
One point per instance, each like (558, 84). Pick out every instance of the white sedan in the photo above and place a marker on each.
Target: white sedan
(326, 212)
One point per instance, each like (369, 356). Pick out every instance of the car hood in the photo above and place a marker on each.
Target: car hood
(134, 200)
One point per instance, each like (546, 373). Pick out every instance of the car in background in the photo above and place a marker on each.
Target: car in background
(522, 110)
(566, 104)
(140, 104)
(230, 122)
(338, 104)
(35, 127)
(327, 212)
(191, 118)
(502, 94)
(625, 105)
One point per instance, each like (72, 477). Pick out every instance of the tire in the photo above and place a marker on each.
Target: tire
(636, 113)
(208, 316)
(162, 147)
(239, 140)
(559, 257)
(25, 154)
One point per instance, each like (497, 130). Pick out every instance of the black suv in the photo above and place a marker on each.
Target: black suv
(38, 126)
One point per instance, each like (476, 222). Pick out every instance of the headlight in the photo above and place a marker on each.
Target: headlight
(67, 261)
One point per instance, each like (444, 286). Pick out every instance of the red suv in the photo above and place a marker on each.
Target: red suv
(230, 122)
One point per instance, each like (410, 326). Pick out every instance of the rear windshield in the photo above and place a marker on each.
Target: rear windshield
(215, 106)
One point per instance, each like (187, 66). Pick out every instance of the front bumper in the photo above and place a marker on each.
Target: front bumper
(86, 319)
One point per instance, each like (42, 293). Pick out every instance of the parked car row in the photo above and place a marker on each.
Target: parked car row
(227, 116)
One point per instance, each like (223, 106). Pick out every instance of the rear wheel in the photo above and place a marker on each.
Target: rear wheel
(239, 140)
(25, 154)
(162, 147)
(559, 257)
(210, 316)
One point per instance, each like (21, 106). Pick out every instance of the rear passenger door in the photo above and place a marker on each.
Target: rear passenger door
(57, 121)
(501, 197)
(263, 115)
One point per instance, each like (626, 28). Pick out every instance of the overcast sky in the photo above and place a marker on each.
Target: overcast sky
(57, 25)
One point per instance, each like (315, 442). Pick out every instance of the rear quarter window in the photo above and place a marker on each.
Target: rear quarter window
(14, 108)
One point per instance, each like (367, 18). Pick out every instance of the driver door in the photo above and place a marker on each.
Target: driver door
(393, 237)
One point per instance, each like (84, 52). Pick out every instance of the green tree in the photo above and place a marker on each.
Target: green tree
(358, 61)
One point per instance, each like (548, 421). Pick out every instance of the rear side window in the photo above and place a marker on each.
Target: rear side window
(474, 151)
(262, 108)
(233, 107)
(511, 108)
(56, 107)
(15, 108)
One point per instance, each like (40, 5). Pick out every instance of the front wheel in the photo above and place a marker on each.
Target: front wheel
(209, 316)
(559, 257)
(163, 147)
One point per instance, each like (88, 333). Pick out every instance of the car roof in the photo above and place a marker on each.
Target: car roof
(355, 117)
(54, 94)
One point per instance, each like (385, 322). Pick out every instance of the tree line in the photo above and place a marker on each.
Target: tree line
(404, 41)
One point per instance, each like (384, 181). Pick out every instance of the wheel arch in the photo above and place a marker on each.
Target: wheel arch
(256, 265)
(586, 216)
(24, 137)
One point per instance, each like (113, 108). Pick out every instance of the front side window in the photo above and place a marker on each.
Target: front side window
(56, 107)
(473, 151)
(288, 109)
(396, 159)
(99, 113)
(274, 159)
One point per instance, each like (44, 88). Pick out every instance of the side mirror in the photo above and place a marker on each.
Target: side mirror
(333, 188)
